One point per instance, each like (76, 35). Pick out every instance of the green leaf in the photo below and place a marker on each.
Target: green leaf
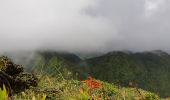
(3, 93)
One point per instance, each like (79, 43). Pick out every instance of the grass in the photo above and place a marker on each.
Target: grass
(58, 88)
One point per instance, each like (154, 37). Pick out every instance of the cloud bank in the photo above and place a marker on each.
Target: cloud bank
(84, 25)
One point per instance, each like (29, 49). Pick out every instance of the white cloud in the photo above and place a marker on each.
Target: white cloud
(84, 25)
(152, 6)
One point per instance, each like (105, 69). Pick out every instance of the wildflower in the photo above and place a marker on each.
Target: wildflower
(92, 83)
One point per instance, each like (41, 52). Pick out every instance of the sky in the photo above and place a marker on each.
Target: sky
(84, 25)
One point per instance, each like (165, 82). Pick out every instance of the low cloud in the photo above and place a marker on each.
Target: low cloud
(84, 25)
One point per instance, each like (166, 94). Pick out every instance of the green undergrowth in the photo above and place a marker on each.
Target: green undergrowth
(58, 88)
(58, 81)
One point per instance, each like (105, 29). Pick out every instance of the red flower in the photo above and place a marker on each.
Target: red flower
(92, 83)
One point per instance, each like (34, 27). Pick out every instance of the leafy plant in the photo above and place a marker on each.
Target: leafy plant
(3, 93)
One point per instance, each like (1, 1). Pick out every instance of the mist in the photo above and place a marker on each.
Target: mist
(84, 25)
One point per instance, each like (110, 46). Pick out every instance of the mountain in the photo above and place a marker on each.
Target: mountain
(19, 85)
(147, 70)
(51, 62)
(67, 64)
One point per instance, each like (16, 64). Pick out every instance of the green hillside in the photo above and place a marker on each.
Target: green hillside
(55, 84)
(59, 62)
(147, 70)
(57, 88)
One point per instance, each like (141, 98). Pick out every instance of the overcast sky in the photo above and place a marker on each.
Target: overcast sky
(84, 25)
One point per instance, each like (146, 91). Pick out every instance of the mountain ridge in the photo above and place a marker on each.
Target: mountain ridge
(148, 70)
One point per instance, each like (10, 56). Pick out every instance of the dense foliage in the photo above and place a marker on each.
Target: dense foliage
(120, 76)
(14, 77)
(147, 70)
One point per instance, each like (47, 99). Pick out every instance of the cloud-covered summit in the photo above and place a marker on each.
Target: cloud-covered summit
(84, 25)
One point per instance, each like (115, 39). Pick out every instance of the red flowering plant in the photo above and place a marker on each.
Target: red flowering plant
(92, 88)
(92, 83)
